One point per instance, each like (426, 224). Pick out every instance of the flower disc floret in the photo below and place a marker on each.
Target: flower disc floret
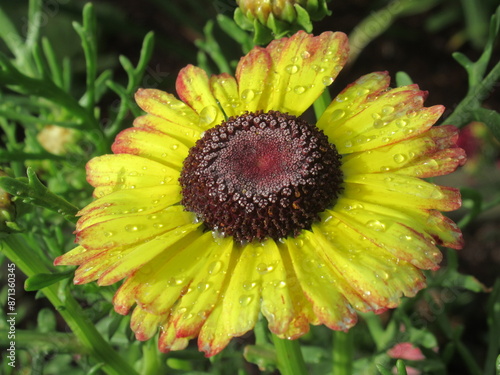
(261, 175)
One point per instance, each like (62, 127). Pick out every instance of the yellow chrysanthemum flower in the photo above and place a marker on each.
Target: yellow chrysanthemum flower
(225, 204)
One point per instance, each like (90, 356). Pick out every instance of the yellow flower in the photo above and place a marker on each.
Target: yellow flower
(225, 204)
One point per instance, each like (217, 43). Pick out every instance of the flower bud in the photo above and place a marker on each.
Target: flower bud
(278, 17)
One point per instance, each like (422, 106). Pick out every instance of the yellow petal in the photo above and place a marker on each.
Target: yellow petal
(238, 308)
(321, 284)
(152, 145)
(187, 134)
(162, 283)
(252, 73)
(204, 292)
(142, 254)
(121, 172)
(194, 89)
(303, 66)
(169, 341)
(126, 230)
(394, 231)
(124, 298)
(225, 90)
(283, 302)
(422, 156)
(167, 107)
(352, 100)
(363, 118)
(72, 257)
(96, 264)
(396, 191)
(380, 278)
(144, 324)
(122, 203)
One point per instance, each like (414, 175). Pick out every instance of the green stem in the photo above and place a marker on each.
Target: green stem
(378, 22)
(343, 353)
(17, 250)
(322, 103)
(290, 360)
(461, 116)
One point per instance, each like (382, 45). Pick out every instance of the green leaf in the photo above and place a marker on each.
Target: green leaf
(456, 280)
(479, 85)
(43, 280)
(36, 193)
(211, 46)
(88, 35)
(235, 32)
(114, 325)
(403, 79)
(264, 356)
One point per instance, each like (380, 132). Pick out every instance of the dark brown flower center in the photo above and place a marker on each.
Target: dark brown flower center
(261, 175)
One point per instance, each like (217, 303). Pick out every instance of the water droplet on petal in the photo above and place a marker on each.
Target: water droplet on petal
(208, 115)
(249, 285)
(175, 281)
(401, 123)
(292, 69)
(248, 95)
(399, 158)
(299, 89)
(280, 284)
(203, 286)
(387, 110)
(327, 81)
(131, 228)
(337, 115)
(245, 300)
(376, 225)
(215, 267)
(263, 268)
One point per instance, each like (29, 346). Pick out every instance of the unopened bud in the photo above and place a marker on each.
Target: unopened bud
(279, 17)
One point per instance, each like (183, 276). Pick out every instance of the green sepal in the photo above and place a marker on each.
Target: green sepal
(242, 21)
(303, 18)
(262, 34)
